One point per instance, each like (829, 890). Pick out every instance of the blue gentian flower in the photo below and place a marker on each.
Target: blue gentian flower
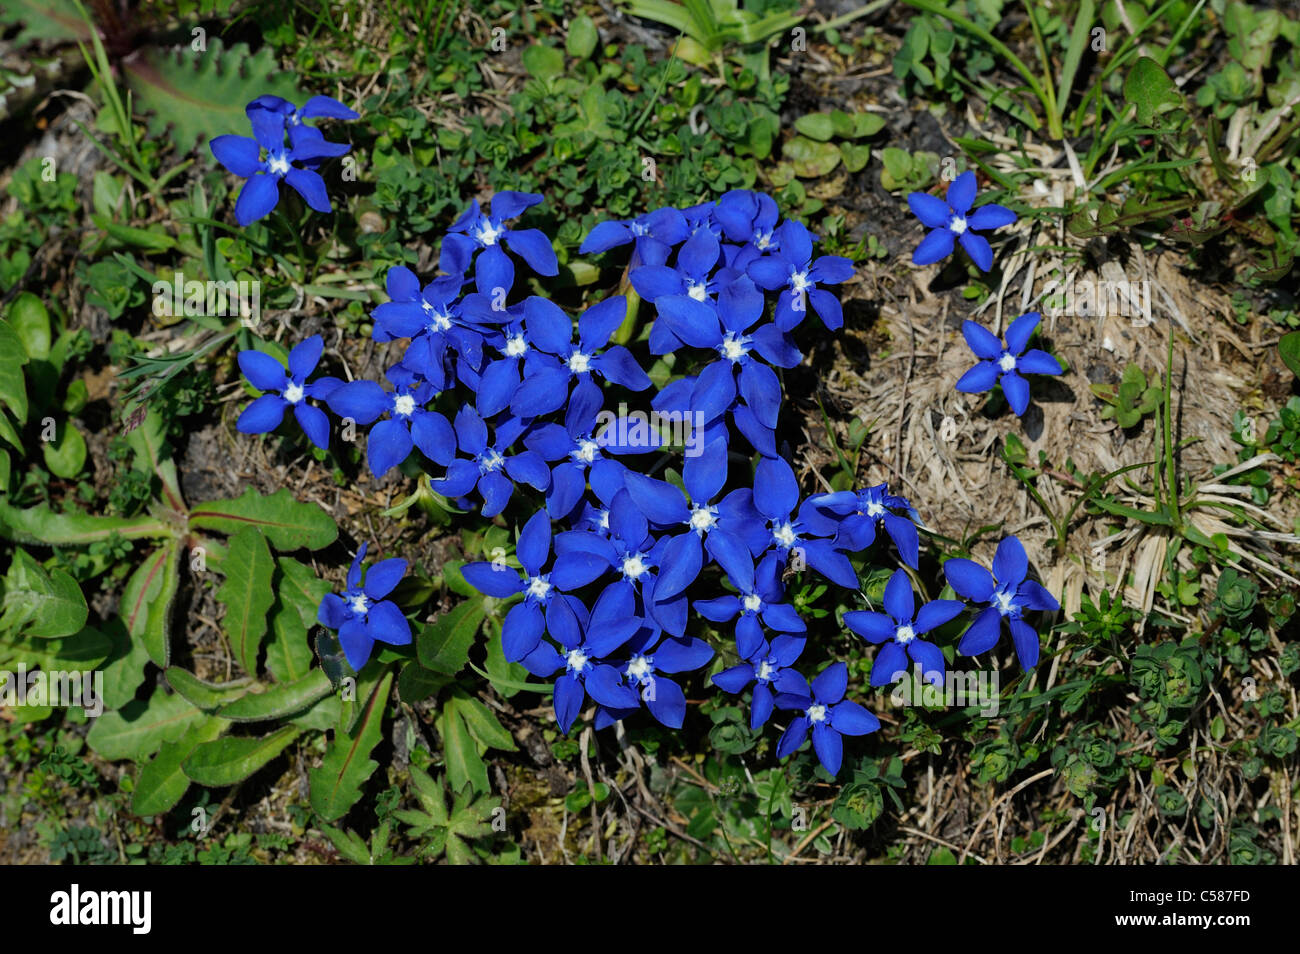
(544, 591)
(581, 456)
(361, 615)
(586, 669)
(750, 218)
(708, 527)
(650, 661)
(431, 319)
(1008, 594)
(827, 714)
(860, 514)
(491, 468)
(550, 330)
(999, 365)
(410, 423)
(724, 328)
(264, 160)
(761, 596)
(768, 668)
(654, 235)
(476, 230)
(793, 267)
(776, 497)
(900, 628)
(290, 390)
(952, 220)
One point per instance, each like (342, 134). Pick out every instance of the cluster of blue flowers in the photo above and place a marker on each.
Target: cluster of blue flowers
(613, 560)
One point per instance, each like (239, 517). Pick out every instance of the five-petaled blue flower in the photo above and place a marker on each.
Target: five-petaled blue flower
(827, 714)
(900, 628)
(861, 512)
(953, 220)
(291, 390)
(361, 615)
(768, 668)
(1008, 594)
(999, 365)
(793, 267)
(476, 229)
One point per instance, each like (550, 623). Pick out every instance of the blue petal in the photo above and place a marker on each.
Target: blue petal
(982, 377)
(569, 696)
(936, 613)
(871, 626)
(1020, 331)
(311, 187)
(899, 602)
(969, 579)
(978, 248)
(981, 341)
(314, 424)
(388, 445)
(829, 686)
(1026, 640)
(828, 746)
(933, 212)
(240, 154)
(982, 635)
(388, 625)
(521, 631)
(935, 247)
(362, 401)
(776, 491)
(534, 247)
(849, 718)
(263, 415)
(1016, 390)
(492, 579)
(256, 200)
(1010, 562)
(961, 193)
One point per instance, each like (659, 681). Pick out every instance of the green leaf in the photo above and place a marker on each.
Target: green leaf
(44, 20)
(818, 126)
(247, 595)
(162, 782)
(197, 95)
(152, 239)
(1148, 87)
(481, 722)
(30, 320)
(543, 62)
(415, 683)
(147, 602)
(149, 442)
(286, 523)
(461, 751)
(279, 701)
(444, 644)
(1289, 349)
(223, 762)
(336, 785)
(140, 728)
(855, 156)
(13, 386)
(582, 38)
(41, 603)
(811, 159)
(42, 525)
(125, 665)
(208, 696)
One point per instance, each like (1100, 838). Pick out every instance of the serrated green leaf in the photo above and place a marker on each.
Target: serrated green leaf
(153, 456)
(42, 525)
(13, 385)
(336, 785)
(41, 603)
(481, 722)
(162, 782)
(461, 751)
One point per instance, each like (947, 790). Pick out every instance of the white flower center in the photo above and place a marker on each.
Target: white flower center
(579, 362)
(874, 509)
(639, 229)
(602, 520)
(733, 348)
(752, 603)
(576, 660)
(438, 321)
(515, 347)
(278, 164)
(538, 588)
(816, 713)
(292, 393)
(360, 604)
(403, 405)
(1003, 602)
(904, 634)
(634, 566)
(702, 519)
(799, 283)
(762, 240)
(1007, 362)
(586, 452)
(697, 290)
(957, 225)
(490, 460)
(639, 667)
(487, 233)
(765, 671)
(784, 536)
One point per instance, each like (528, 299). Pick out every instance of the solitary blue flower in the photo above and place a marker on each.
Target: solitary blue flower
(654, 235)
(1008, 594)
(584, 659)
(264, 160)
(491, 467)
(1005, 366)
(361, 615)
(543, 590)
(476, 230)
(410, 423)
(650, 661)
(953, 221)
(860, 514)
(768, 668)
(290, 390)
(827, 714)
(793, 267)
(900, 628)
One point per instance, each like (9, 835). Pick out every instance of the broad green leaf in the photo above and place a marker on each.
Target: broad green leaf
(336, 785)
(42, 525)
(1148, 87)
(41, 603)
(226, 761)
(153, 456)
(13, 387)
(818, 126)
(162, 782)
(247, 595)
(140, 728)
(279, 701)
(152, 239)
(208, 696)
(461, 751)
(481, 722)
(124, 668)
(286, 523)
(444, 644)
(288, 650)
(65, 456)
(1289, 348)
(811, 159)
(147, 602)
(415, 684)
(582, 38)
(81, 652)
(30, 320)
(44, 20)
(543, 62)
(855, 156)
